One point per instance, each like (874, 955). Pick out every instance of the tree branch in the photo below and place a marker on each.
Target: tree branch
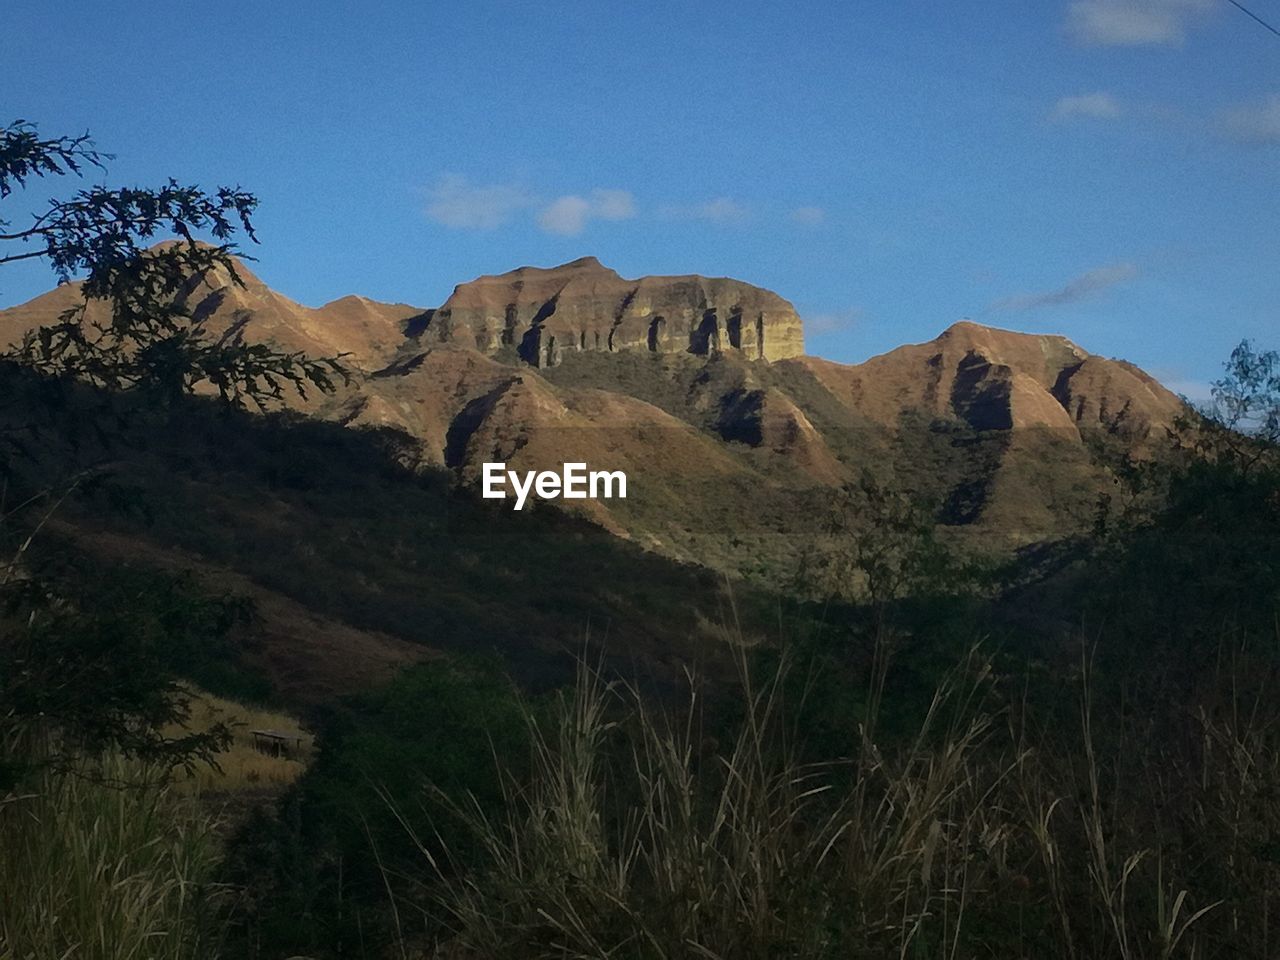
(24, 256)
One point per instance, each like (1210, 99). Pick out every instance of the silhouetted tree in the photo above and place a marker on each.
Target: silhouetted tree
(1241, 423)
(74, 677)
(149, 332)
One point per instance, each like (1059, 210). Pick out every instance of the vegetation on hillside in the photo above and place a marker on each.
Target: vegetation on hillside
(981, 490)
(1085, 768)
(592, 751)
(74, 682)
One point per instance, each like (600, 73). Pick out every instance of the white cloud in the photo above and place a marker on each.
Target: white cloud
(566, 216)
(720, 210)
(1257, 124)
(1079, 288)
(613, 205)
(831, 322)
(569, 215)
(1131, 23)
(808, 216)
(1099, 105)
(457, 203)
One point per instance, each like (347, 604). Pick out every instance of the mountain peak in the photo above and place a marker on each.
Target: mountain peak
(583, 263)
(966, 329)
(583, 305)
(581, 267)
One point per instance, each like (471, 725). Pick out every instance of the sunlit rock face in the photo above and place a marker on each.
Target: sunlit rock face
(729, 457)
(1002, 380)
(583, 305)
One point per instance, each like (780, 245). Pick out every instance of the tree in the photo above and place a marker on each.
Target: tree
(146, 334)
(75, 677)
(1242, 421)
(1200, 557)
(878, 547)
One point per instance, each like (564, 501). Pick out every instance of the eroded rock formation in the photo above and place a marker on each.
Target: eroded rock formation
(1000, 380)
(583, 305)
(659, 377)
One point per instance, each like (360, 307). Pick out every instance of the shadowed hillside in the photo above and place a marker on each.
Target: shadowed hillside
(732, 458)
(357, 564)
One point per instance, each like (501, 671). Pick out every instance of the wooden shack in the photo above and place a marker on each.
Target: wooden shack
(277, 743)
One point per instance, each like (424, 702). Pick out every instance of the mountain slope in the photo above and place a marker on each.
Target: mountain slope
(732, 440)
(368, 331)
(999, 380)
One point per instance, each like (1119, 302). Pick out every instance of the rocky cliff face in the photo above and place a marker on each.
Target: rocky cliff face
(1001, 380)
(730, 460)
(584, 306)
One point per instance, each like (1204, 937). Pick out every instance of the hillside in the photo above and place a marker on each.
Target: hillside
(698, 389)
(354, 566)
(335, 561)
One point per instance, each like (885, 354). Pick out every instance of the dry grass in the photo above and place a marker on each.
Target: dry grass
(114, 861)
(672, 847)
(243, 767)
(94, 870)
(635, 837)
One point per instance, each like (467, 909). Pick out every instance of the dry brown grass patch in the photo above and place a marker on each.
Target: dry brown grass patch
(243, 767)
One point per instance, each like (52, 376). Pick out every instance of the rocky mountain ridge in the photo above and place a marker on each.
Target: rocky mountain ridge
(583, 305)
(699, 389)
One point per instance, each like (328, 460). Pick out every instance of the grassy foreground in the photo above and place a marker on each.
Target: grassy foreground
(95, 871)
(640, 834)
(115, 859)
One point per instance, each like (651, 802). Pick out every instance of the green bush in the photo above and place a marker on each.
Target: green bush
(315, 868)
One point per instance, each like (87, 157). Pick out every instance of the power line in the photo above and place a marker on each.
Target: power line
(1243, 9)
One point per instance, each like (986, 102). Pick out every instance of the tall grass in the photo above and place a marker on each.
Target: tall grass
(642, 837)
(92, 871)
(639, 836)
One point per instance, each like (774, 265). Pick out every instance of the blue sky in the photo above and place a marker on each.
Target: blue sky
(1105, 169)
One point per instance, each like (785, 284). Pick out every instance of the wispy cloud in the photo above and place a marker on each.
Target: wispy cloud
(566, 216)
(569, 215)
(1100, 105)
(721, 210)
(1132, 23)
(456, 202)
(831, 322)
(1256, 124)
(613, 204)
(808, 216)
(1088, 284)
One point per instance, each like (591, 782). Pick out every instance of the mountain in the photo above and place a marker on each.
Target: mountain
(732, 440)
(1000, 380)
(546, 313)
(367, 331)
